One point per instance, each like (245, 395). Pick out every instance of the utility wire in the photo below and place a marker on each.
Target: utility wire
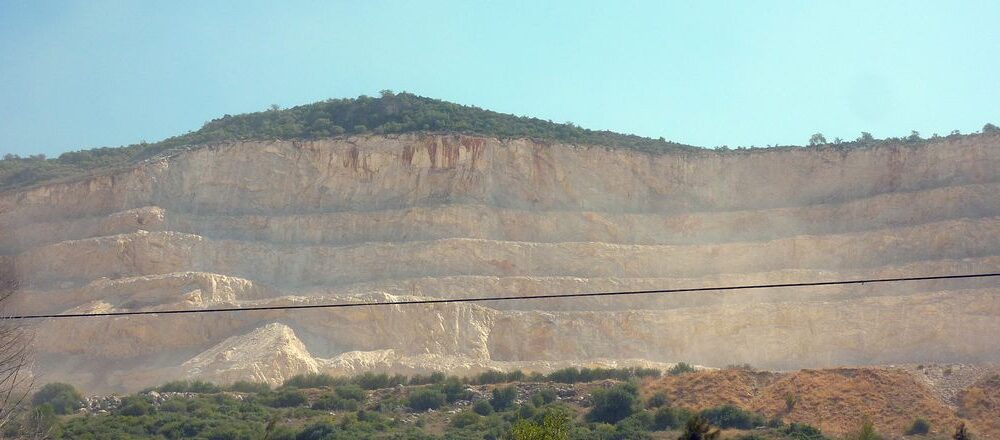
(508, 298)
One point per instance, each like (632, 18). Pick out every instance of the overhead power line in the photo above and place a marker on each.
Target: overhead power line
(507, 298)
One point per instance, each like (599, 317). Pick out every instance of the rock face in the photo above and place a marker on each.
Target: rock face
(437, 216)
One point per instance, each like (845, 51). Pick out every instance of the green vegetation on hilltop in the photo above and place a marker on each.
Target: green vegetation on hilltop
(390, 113)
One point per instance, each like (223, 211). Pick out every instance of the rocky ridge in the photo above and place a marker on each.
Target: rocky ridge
(380, 218)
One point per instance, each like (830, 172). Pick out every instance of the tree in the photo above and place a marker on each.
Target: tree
(425, 399)
(555, 426)
(817, 139)
(503, 397)
(482, 408)
(15, 380)
(914, 136)
(697, 428)
(990, 129)
(866, 138)
(614, 404)
(63, 397)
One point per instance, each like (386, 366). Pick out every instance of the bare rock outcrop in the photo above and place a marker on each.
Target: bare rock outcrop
(381, 218)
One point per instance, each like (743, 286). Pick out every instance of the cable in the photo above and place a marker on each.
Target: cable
(507, 298)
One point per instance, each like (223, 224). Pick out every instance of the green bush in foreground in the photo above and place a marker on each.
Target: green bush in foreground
(425, 399)
(729, 416)
(614, 404)
(63, 398)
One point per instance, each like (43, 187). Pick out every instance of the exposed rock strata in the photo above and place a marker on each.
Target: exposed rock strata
(383, 218)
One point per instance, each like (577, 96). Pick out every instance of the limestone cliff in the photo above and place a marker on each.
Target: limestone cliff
(439, 216)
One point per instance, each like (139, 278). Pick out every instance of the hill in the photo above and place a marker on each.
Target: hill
(389, 113)
(597, 404)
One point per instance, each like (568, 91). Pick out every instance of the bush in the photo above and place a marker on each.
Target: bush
(244, 386)
(425, 399)
(286, 398)
(312, 381)
(697, 428)
(503, 397)
(373, 381)
(613, 404)
(435, 377)
(544, 396)
(680, 368)
(482, 408)
(867, 432)
(343, 398)
(919, 426)
(656, 400)
(803, 431)
(669, 418)
(63, 397)
(333, 402)
(453, 389)
(135, 406)
(729, 416)
(464, 419)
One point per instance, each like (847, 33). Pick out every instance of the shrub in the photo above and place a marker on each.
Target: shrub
(803, 431)
(490, 377)
(482, 408)
(333, 402)
(526, 411)
(680, 368)
(613, 404)
(317, 431)
(669, 418)
(729, 416)
(244, 386)
(503, 397)
(135, 406)
(63, 398)
(919, 426)
(554, 426)
(373, 381)
(656, 400)
(425, 399)
(866, 432)
(312, 380)
(286, 398)
(544, 396)
(435, 377)
(961, 433)
(697, 428)
(790, 401)
(464, 419)
(453, 389)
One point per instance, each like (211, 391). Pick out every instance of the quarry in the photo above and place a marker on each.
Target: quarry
(390, 217)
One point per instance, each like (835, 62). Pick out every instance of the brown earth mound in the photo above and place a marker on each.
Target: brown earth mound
(980, 403)
(837, 401)
(706, 389)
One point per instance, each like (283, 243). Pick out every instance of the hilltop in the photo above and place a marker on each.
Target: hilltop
(389, 113)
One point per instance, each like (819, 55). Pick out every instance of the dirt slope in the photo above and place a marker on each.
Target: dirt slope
(838, 400)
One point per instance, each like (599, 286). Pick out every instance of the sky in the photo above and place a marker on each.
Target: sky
(84, 74)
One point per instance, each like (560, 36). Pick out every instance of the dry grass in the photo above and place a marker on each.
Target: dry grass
(836, 400)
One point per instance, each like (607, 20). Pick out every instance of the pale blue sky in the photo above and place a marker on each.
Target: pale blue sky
(80, 74)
